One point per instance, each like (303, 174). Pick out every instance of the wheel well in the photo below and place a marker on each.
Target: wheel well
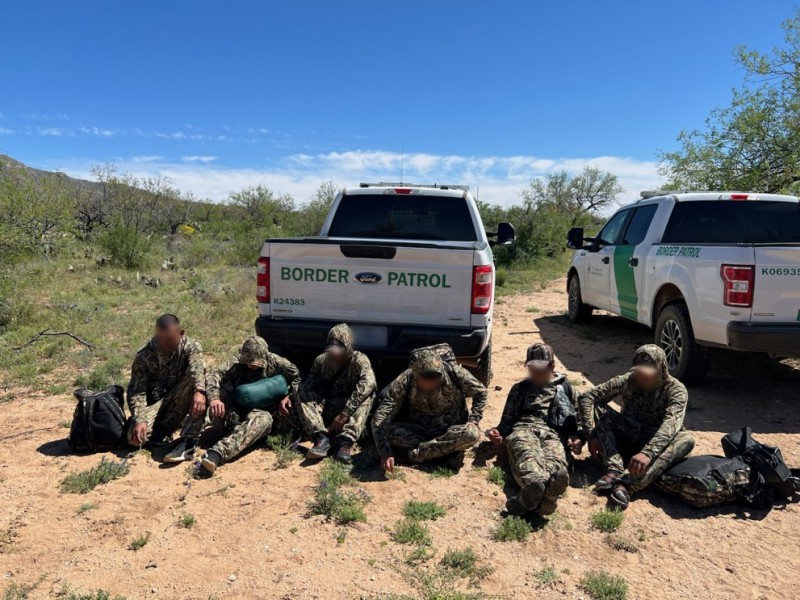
(668, 294)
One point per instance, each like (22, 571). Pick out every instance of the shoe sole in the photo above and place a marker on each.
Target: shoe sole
(553, 492)
(179, 459)
(208, 465)
(316, 455)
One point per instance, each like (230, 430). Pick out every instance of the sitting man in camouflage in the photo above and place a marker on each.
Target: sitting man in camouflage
(439, 423)
(648, 430)
(167, 385)
(336, 397)
(244, 427)
(536, 450)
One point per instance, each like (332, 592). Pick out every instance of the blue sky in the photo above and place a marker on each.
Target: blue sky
(218, 95)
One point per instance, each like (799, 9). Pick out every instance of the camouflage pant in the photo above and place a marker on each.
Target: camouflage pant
(426, 443)
(243, 433)
(622, 437)
(538, 463)
(317, 416)
(169, 413)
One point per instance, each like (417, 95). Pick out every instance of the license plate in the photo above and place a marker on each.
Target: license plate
(366, 336)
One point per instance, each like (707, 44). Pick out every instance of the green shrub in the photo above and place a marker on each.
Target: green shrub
(607, 520)
(86, 507)
(333, 502)
(85, 481)
(411, 531)
(17, 591)
(512, 529)
(423, 511)
(497, 476)
(442, 473)
(125, 247)
(546, 576)
(109, 372)
(601, 585)
(500, 277)
(187, 521)
(464, 563)
(139, 542)
(98, 595)
(284, 449)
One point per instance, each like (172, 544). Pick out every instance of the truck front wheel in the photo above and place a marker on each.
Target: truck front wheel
(578, 311)
(483, 372)
(688, 361)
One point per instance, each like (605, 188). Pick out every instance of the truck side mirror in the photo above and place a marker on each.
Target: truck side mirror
(505, 234)
(575, 238)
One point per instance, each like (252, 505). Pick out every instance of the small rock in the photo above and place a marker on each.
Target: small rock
(498, 388)
(730, 570)
(232, 578)
(151, 565)
(153, 591)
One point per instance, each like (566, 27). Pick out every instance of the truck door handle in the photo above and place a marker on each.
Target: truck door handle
(634, 262)
(606, 260)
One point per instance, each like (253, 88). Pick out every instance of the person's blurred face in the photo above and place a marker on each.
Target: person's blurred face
(540, 377)
(428, 384)
(645, 379)
(169, 337)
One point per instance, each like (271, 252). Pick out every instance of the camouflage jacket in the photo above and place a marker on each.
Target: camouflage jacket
(528, 405)
(354, 382)
(223, 381)
(660, 412)
(438, 410)
(154, 373)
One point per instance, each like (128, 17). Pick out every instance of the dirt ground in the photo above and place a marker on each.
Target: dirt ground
(253, 538)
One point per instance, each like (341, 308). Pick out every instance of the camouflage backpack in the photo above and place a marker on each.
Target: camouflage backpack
(707, 480)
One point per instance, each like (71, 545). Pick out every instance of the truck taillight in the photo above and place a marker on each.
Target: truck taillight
(262, 280)
(738, 282)
(482, 284)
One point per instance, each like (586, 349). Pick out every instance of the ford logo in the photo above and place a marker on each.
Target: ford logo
(368, 277)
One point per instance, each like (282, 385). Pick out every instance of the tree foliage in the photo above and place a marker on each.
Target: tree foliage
(754, 143)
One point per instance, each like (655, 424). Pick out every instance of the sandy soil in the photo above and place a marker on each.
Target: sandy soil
(253, 539)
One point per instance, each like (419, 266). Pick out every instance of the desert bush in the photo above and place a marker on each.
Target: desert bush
(601, 585)
(512, 529)
(607, 520)
(126, 247)
(423, 511)
(85, 481)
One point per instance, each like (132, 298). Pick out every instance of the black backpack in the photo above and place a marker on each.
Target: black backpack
(99, 420)
(562, 416)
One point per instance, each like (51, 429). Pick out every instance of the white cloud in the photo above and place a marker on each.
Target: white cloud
(199, 159)
(6, 131)
(147, 158)
(497, 179)
(55, 132)
(98, 131)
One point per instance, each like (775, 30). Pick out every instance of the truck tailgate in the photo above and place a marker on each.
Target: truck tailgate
(777, 284)
(373, 284)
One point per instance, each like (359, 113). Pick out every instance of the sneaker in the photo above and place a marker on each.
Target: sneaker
(528, 499)
(456, 461)
(344, 453)
(183, 450)
(158, 439)
(321, 447)
(210, 461)
(515, 507)
(555, 486)
(620, 496)
(607, 482)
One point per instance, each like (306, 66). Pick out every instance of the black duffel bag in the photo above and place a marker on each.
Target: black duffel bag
(98, 423)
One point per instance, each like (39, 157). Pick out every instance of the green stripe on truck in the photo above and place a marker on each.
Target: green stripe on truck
(626, 282)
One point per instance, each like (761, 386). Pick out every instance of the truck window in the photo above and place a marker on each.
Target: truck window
(610, 234)
(414, 217)
(734, 222)
(639, 224)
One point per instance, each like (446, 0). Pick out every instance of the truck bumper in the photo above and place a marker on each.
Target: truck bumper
(775, 338)
(298, 335)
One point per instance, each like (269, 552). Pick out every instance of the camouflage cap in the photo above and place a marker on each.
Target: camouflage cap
(651, 359)
(540, 356)
(255, 351)
(426, 364)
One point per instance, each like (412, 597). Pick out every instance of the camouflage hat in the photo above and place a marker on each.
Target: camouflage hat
(427, 364)
(644, 362)
(540, 356)
(254, 352)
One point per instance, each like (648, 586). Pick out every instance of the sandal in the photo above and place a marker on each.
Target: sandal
(607, 482)
(621, 496)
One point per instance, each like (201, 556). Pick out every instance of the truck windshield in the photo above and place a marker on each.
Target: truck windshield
(734, 222)
(412, 217)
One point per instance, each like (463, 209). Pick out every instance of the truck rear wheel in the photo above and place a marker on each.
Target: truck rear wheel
(483, 372)
(578, 311)
(688, 361)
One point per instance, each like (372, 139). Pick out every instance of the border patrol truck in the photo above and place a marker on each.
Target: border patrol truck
(404, 265)
(704, 270)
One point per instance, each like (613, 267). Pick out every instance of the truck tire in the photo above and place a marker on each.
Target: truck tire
(578, 311)
(688, 361)
(483, 372)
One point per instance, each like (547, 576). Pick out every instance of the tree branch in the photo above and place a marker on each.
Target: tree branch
(47, 332)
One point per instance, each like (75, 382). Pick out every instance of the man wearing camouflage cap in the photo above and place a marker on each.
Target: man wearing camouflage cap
(536, 450)
(336, 397)
(243, 427)
(439, 423)
(648, 431)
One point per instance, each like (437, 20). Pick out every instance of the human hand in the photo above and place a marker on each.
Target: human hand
(338, 423)
(494, 436)
(139, 435)
(388, 464)
(575, 444)
(284, 406)
(639, 464)
(198, 404)
(217, 408)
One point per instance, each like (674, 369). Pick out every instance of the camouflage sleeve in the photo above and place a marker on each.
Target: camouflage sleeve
(511, 410)
(289, 371)
(364, 388)
(599, 396)
(390, 401)
(475, 390)
(137, 387)
(197, 365)
(217, 380)
(309, 390)
(672, 423)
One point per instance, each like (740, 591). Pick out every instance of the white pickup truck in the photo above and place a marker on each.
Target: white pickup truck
(405, 265)
(710, 269)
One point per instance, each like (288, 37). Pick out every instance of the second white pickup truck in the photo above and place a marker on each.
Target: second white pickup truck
(707, 269)
(405, 265)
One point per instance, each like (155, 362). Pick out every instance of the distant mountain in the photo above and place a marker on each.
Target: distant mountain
(11, 166)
